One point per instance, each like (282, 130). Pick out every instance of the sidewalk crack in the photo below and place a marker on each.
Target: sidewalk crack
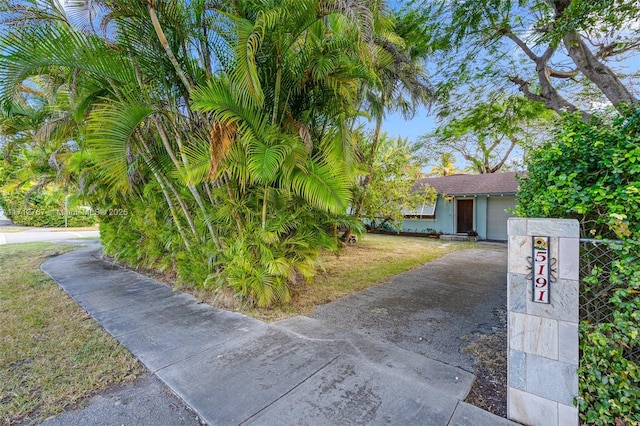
(289, 391)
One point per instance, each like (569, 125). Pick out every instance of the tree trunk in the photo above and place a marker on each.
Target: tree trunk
(365, 184)
(165, 45)
(600, 74)
(597, 72)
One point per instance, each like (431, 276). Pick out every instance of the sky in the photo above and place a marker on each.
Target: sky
(422, 123)
(425, 122)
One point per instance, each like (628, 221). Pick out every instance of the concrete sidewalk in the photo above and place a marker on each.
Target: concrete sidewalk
(232, 369)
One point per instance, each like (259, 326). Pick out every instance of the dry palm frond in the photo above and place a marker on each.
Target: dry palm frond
(221, 137)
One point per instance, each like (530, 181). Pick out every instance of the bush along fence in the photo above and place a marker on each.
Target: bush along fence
(574, 310)
(609, 332)
(542, 304)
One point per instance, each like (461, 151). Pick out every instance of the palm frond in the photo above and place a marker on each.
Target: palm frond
(322, 186)
(244, 73)
(237, 167)
(109, 136)
(356, 11)
(227, 105)
(199, 157)
(264, 161)
(40, 12)
(27, 50)
(221, 137)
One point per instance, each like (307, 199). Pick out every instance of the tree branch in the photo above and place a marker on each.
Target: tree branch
(524, 87)
(521, 44)
(505, 156)
(563, 74)
(614, 49)
(547, 55)
(600, 74)
(549, 95)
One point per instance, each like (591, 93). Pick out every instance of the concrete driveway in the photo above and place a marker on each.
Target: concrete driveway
(433, 310)
(232, 369)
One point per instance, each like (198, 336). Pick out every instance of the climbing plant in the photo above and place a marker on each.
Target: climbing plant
(590, 171)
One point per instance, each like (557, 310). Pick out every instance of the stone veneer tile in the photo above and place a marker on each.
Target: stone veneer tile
(519, 251)
(553, 252)
(568, 342)
(517, 369)
(517, 226)
(533, 335)
(569, 258)
(530, 409)
(567, 228)
(563, 301)
(553, 380)
(567, 415)
(516, 298)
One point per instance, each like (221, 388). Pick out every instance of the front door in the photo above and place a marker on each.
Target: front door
(464, 219)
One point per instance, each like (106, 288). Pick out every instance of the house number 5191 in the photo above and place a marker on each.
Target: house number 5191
(541, 269)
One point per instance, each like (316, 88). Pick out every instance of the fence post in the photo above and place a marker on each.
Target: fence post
(543, 333)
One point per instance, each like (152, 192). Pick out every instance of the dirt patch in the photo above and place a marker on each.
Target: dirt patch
(489, 391)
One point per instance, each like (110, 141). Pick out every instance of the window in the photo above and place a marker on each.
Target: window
(423, 211)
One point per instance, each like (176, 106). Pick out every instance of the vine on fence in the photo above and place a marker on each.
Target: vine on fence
(590, 171)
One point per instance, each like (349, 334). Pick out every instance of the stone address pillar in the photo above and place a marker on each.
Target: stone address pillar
(543, 337)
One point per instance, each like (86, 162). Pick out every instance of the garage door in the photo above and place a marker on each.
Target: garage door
(497, 216)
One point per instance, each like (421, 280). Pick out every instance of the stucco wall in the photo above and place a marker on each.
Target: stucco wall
(481, 216)
(445, 217)
(442, 223)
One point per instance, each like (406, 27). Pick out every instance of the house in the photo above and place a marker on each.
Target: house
(467, 202)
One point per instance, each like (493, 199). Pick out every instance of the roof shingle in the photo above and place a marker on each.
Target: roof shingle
(491, 183)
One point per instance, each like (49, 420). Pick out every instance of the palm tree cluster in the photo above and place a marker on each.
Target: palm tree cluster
(216, 138)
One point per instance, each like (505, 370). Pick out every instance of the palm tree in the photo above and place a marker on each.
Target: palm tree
(401, 85)
(446, 166)
(39, 136)
(277, 120)
(232, 115)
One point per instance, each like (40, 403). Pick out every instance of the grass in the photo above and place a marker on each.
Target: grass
(369, 262)
(11, 229)
(82, 228)
(52, 354)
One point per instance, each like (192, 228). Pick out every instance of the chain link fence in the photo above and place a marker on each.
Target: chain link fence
(596, 262)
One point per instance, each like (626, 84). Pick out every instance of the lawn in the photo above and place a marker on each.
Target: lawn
(52, 354)
(12, 229)
(372, 260)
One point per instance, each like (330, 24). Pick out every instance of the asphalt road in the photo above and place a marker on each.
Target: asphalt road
(31, 235)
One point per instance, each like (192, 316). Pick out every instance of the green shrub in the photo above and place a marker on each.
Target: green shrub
(43, 209)
(263, 265)
(140, 233)
(609, 377)
(260, 265)
(590, 171)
